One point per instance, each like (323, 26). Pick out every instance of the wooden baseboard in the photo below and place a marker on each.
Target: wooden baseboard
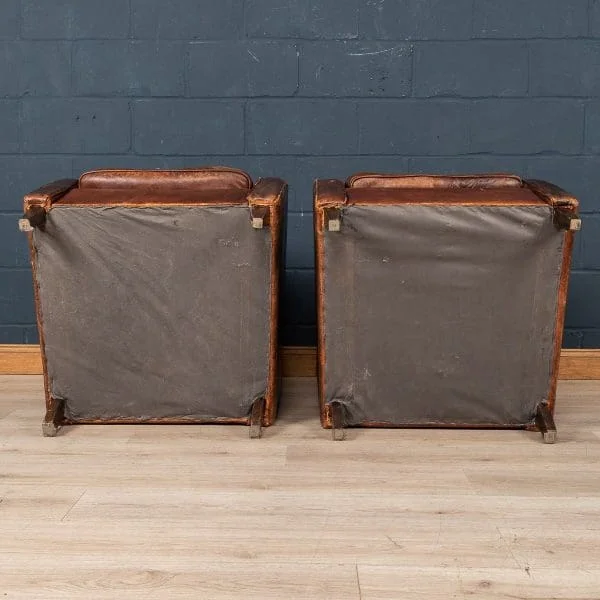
(298, 361)
(579, 364)
(20, 359)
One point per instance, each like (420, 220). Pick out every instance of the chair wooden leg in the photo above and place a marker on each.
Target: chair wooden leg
(545, 423)
(256, 418)
(338, 421)
(53, 420)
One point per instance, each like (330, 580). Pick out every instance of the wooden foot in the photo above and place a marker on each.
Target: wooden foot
(54, 418)
(256, 418)
(545, 423)
(338, 421)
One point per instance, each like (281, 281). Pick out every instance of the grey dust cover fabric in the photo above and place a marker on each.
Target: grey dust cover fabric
(441, 314)
(153, 312)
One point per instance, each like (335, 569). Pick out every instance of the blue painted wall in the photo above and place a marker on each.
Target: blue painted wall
(300, 89)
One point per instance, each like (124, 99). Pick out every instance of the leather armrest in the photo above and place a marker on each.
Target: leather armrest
(329, 197)
(552, 194)
(267, 195)
(564, 206)
(329, 193)
(37, 203)
(267, 191)
(47, 194)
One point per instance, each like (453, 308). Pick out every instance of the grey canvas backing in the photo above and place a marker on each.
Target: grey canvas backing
(155, 312)
(441, 314)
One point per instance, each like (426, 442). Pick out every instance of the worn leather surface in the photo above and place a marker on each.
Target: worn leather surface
(47, 194)
(328, 192)
(168, 180)
(500, 196)
(266, 191)
(271, 194)
(136, 196)
(552, 194)
(382, 180)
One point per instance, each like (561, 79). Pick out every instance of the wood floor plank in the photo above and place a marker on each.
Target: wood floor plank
(47, 502)
(577, 550)
(429, 544)
(214, 581)
(384, 583)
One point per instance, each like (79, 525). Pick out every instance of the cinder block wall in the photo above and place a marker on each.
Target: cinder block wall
(300, 89)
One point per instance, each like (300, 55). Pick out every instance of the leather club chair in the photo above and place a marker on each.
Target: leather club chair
(157, 296)
(441, 300)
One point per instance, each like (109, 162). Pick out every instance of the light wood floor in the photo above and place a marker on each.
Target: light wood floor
(168, 512)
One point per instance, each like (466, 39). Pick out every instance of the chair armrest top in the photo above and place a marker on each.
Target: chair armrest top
(47, 194)
(329, 192)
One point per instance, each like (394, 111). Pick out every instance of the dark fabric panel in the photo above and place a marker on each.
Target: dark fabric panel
(441, 314)
(155, 312)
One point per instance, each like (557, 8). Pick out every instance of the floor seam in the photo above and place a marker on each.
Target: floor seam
(358, 582)
(73, 505)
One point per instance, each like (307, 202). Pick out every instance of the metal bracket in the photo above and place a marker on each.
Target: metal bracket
(259, 216)
(25, 225)
(545, 422)
(256, 418)
(338, 421)
(35, 216)
(55, 415)
(566, 219)
(333, 219)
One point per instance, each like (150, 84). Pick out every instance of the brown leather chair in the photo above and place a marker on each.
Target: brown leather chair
(441, 300)
(157, 296)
